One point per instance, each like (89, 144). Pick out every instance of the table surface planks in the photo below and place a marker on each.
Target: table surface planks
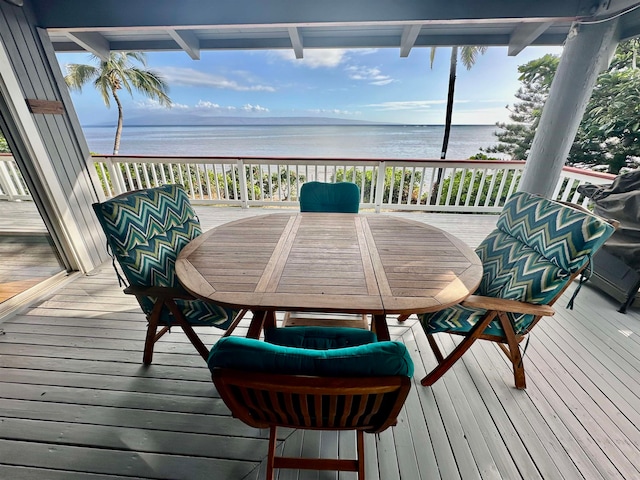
(330, 262)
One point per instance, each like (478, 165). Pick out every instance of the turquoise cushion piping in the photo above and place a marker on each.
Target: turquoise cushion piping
(373, 359)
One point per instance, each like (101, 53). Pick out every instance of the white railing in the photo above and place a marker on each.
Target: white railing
(385, 184)
(12, 186)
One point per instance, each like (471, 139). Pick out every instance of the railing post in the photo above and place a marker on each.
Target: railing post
(244, 194)
(382, 171)
(5, 182)
(116, 176)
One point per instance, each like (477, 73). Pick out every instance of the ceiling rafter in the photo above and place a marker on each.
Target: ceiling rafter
(409, 37)
(93, 42)
(524, 34)
(296, 41)
(188, 41)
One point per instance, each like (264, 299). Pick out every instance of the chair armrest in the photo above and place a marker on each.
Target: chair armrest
(168, 292)
(504, 305)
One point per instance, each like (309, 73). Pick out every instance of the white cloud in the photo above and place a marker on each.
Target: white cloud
(151, 104)
(193, 77)
(254, 108)
(372, 75)
(407, 105)
(325, 58)
(206, 105)
(331, 111)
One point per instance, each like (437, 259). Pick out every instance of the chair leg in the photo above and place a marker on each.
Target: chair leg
(360, 453)
(152, 327)
(514, 351)
(271, 455)
(235, 322)
(187, 328)
(460, 349)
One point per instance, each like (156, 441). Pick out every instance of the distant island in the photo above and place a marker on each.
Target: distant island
(169, 119)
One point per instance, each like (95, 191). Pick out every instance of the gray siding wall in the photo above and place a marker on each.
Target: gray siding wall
(34, 63)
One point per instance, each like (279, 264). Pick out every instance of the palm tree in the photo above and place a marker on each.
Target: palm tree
(468, 55)
(114, 74)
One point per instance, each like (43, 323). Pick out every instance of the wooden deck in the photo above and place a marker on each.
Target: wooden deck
(26, 255)
(76, 402)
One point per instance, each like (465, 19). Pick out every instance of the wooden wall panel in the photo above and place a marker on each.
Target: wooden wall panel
(70, 191)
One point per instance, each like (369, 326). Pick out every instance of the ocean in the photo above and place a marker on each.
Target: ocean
(325, 141)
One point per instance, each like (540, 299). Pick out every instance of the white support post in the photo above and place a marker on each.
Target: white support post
(588, 51)
(382, 170)
(244, 194)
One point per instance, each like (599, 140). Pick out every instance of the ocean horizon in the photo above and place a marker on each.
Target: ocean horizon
(325, 141)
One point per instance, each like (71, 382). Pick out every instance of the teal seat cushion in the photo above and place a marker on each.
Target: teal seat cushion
(373, 359)
(530, 256)
(319, 338)
(341, 197)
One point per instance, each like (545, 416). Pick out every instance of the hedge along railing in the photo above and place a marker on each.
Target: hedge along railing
(463, 186)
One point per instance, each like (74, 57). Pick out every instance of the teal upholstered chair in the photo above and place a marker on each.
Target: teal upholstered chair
(146, 230)
(537, 249)
(330, 379)
(341, 197)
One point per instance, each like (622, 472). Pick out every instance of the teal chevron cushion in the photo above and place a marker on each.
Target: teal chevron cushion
(146, 230)
(341, 197)
(530, 256)
(563, 235)
(319, 338)
(373, 359)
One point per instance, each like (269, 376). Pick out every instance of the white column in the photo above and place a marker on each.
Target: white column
(587, 52)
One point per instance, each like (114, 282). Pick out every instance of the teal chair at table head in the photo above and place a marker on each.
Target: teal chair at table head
(537, 249)
(146, 230)
(341, 197)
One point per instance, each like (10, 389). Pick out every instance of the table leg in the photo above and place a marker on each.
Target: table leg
(261, 319)
(380, 328)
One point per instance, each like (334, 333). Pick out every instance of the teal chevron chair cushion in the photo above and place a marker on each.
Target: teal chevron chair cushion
(319, 338)
(373, 359)
(341, 197)
(146, 230)
(530, 256)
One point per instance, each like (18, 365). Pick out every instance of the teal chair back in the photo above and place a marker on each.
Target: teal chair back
(146, 230)
(538, 246)
(341, 197)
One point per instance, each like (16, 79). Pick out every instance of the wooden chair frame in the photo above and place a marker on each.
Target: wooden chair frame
(498, 307)
(262, 400)
(166, 298)
(509, 344)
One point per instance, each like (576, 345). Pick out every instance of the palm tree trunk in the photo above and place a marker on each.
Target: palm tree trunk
(452, 86)
(453, 66)
(116, 143)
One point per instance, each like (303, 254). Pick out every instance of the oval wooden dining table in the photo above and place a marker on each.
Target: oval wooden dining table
(329, 262)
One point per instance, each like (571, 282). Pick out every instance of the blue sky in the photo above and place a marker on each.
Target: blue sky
(370, 85)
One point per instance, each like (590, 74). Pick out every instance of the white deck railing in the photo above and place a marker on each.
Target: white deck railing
(385, 184)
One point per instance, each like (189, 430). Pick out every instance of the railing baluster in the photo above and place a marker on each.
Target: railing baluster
(284, 177)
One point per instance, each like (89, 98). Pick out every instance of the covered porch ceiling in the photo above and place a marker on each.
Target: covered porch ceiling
(196, 25)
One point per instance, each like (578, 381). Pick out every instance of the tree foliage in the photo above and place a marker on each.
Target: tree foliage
(609, 131)
(4, 147)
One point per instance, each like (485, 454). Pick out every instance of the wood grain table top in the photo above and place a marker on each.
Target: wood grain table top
(332, 262)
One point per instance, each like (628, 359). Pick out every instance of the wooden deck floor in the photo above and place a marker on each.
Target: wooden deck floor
(26, 255)
(76, 403)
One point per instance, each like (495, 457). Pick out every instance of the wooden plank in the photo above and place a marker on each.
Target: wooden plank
(45, 107)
